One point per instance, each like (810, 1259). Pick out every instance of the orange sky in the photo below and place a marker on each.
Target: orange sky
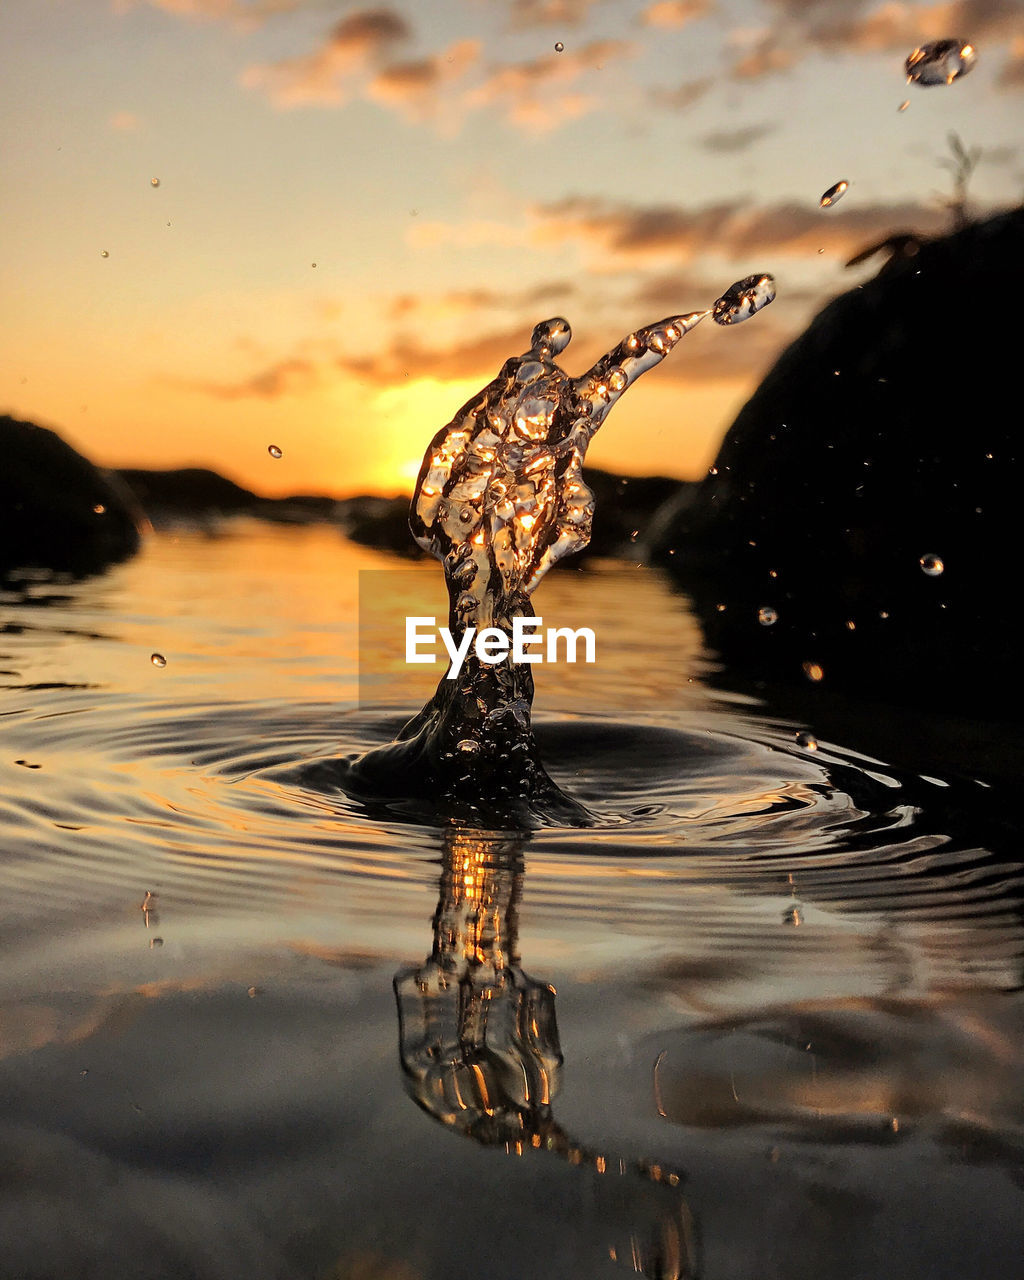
(361, 210)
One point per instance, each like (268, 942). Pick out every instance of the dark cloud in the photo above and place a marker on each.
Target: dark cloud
(683, 95)
(480, 357)
(766, 58)
(479, 300)
(625, 234)
(353, 47)
(289, 376)
(414, 87)
(803, 27)
(541, 93)
(729, 141)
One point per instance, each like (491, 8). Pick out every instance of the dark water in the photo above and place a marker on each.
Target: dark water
(783, 1033)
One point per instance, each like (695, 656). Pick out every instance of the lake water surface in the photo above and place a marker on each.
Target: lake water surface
(766, 1021)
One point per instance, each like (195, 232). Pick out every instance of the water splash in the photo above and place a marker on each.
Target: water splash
(834, 194)
(744, 299)
(499, 501)
(940, 62)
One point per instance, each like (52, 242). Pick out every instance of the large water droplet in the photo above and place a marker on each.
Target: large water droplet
(767, 616)
(834, 193)
(468, 746)
(931, 565)
(807, 740)
(744, 299)
(274, 451)
(551, 335)
(940, 62)
(158, 660)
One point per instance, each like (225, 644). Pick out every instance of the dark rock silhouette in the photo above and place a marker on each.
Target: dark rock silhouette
(57, 510)
(887, 433)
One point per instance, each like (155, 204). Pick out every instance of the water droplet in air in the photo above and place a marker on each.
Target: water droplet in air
(468, 745)
(931, 565)
(743, 299)
(158, 660)
(559, 47)
(807, 740)
(274, 451)
(99, 509)
(155, 942)
(833, 194)
(720, 608)
(312, 264)
(253, 992)
(792, 916)
(813, 671)
(903, 105)
(104, 254)
(154, 182)
(767, 616)
(940, 62)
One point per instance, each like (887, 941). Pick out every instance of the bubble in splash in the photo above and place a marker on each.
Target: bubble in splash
(274, 451)
(158, 660)
(559, 47)
(940, 62)
(807, 741)
(931, 565)
(833, 194)
(767, 616)
(154, 182)
(744, 299)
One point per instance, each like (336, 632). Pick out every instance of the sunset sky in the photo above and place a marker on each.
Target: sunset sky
(362, 209)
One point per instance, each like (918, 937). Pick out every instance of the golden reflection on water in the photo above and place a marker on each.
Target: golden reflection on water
(480, 1052)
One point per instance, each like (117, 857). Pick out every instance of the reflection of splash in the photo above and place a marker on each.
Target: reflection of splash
(479, 1047)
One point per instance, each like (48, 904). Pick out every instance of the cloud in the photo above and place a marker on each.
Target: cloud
(803, 27)
(354, 47)
(764, 59)
(675, 13)
(535, 94)
(537, 13)
(289, 376)
(729, 141)
(125, 122)
(1012, 74)
(683, 96)
(622, 235)
(415, 88)
(459, 303)
(245, 12)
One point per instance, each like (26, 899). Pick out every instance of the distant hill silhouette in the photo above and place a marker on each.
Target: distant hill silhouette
(57, 510)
